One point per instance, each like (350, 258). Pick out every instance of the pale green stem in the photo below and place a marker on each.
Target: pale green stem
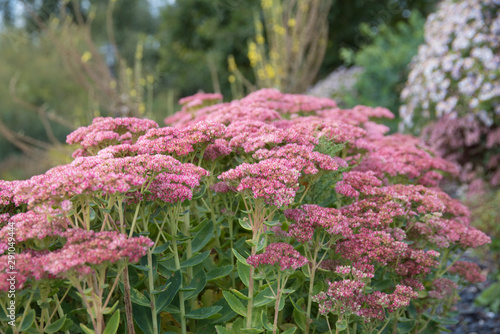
(328, 323)
(152, 296)
(132, 228)
(182, 307)
(250, 294)
(189, 271)
(382, 329)
(451, 264)
(25, 311)
(305, 192)
(231, 242)
(277, 304)
(59, 308)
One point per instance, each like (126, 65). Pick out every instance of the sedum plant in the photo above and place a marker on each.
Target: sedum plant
(275, 213)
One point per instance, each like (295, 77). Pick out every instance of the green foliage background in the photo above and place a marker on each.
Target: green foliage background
(186, 45)
(385, 64)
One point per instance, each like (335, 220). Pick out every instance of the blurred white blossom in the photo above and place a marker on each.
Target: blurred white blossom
(456, 70)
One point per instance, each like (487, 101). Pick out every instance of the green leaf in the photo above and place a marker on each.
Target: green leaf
(252, 330)
(444, 321)
(234, 303)
(67, 325)
(219, 272)
(138, 298)
(240, 257)
(245, 224)
(222, 330)
(300, 318)
(142, 268)
(341, 324)
(265, 323)
(27, 321)
(382, 285)
(406, 326)
(297, 307)
(55, 326)
(281, 304)
(272, 223)
(412, 311)
(195, 260)
(243, 272)
(30, 330)
(113, 323)
(197, 284)
(86, 330)
(290, 330)
(143, 319)
(261, 299)
(166, 297)
(203, 236)
(162, 248)
(109, 310)
(160, 289)
(200, 193)
(204, 313)
(239, 294)
(261, 243)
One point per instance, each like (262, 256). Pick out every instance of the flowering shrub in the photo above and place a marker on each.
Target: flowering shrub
(453, 97)
(456, 71)
(276, 212)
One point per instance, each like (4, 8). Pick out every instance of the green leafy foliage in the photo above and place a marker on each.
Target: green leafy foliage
(385, 63)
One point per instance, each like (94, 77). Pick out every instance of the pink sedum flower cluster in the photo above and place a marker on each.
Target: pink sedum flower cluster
(280, 254)
(274, 180)
(108, 131)
(85, 249)
(105, 174)
(379, 218)
(348, 296)
(468, 271)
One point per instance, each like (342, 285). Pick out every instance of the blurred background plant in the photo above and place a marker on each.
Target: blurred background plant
(385, 63)
(134, 57)
(452, 98)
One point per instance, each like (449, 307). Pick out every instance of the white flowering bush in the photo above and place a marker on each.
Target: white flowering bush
(456, 70)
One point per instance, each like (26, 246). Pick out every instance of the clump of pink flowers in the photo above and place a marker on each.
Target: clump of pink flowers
(317, 195)
(84, 249)
(280, 254)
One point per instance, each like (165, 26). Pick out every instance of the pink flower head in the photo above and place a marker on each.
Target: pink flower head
(370, 246)
(281, 254)
(88, 175)
(354, 183)
(203, 132)
(442, 287)
(85, 249)
(108, 131)
(274, 180)
(32, 225)
(468, 270)
(164, 141)
(403, 155)
(253, 135)
(198, 100)
(311, 217)
(222, 187)
(28, 265)
(219, 148)
(303, 158)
